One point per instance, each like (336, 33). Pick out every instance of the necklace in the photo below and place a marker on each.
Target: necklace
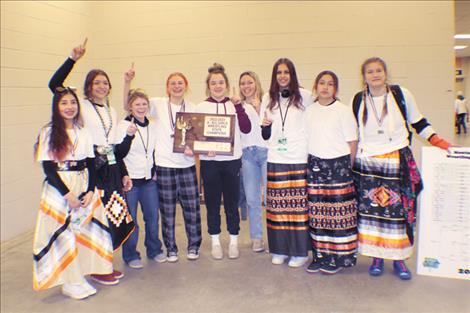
(173, 120)
(382, 115)
(103, 125)
(75, 142)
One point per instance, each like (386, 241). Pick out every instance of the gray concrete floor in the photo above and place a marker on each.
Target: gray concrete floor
(248, 284)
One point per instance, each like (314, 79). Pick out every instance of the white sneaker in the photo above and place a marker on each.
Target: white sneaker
(233, 252)
(75, 291)
(160, 258)
(297, 261)
(172, 257)
(137, 264)
(217, 252)
(258, 245)
(192, 255)
(91, 290)
(278, 259)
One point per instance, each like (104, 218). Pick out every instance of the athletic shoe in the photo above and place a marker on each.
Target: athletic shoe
(278, 259)
(192, 255)
(172, 257)
(258, 245)
(377, 267)
(217, 253)
(314, 267)
(160, 258)
(106, 279)
(297, 261)
(331, 270)
(401, 270)
(233, 252)
(75, 291)
(137, 264)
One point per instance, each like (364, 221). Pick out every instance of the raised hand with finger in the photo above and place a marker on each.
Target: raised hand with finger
(79, 51)
(132, 128)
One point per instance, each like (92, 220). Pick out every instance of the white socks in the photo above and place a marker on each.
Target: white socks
(234, 240)
(215, 240)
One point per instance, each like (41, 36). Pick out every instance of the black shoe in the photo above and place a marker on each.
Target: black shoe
(329, 269)
(314, 267)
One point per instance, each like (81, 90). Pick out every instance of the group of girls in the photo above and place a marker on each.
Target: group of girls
(339, 181)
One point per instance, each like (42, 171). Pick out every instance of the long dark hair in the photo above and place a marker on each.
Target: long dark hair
(90, 77)
(294, 93)
(59, 141)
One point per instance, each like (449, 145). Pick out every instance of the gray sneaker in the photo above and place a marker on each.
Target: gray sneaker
(137, 264)
(172, 257)
(193, 255)
(160, 258)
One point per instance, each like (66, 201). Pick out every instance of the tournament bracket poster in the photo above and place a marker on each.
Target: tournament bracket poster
(444, 213)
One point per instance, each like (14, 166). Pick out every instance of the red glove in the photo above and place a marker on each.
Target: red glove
(437, 141)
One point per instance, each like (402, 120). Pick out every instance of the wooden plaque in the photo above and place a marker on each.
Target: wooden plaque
(204, 132)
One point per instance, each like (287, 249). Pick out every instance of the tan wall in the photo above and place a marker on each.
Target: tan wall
(415, 38)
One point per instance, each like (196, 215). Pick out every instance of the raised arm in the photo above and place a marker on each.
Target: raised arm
(61, 74)
(128, 77)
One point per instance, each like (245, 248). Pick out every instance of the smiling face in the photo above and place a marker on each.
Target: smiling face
(139, 108)
(68, 107)
(176, 86)
(283, 75)
(100, 88)
(248, 86)
(375, 75)
(217, 86)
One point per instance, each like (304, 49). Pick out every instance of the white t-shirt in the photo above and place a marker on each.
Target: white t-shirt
(164, 155)
(220, 108)
(329, 129)
(460, 106)
(81, 141)
(253, 138)
(391, 135)
(93, 123)
(139, 160)
(294, 131)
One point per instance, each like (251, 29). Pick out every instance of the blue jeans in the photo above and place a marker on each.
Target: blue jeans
(147, 195)
(254, 175)
(242, 201)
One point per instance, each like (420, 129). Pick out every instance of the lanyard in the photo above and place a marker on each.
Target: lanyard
(284, 118)
(146, 146)
(170, 114)
(376, 115)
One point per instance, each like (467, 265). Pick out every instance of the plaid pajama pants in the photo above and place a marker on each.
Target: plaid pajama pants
(179, 184)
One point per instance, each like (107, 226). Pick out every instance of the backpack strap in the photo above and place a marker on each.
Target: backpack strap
(400, 100)
(357, 104)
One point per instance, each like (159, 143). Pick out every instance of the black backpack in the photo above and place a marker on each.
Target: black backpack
(399, 99)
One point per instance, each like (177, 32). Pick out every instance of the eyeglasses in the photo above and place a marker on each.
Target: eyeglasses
(61, 89)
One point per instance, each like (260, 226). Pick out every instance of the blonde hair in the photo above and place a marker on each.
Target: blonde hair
(259, 89)
(133, 95)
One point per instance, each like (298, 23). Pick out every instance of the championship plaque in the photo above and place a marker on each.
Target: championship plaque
(204, 132)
